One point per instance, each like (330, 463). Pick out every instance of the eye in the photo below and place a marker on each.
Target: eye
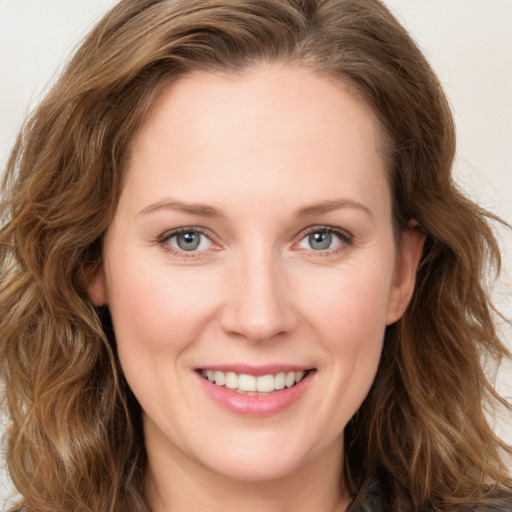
(187, 240)
(325, 239)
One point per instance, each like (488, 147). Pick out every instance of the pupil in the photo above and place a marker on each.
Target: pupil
(320, 240)
(188, 241)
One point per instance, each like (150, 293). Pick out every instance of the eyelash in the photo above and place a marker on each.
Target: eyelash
(163, 241)
(346, 240)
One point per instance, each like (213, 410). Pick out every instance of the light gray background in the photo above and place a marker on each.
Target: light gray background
(469, 43)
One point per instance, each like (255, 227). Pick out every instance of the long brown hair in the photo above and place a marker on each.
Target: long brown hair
(74, 442)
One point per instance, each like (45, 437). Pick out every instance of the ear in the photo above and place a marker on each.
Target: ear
(404, 276)
(96, 284)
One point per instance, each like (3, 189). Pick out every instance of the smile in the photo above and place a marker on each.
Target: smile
(247, 384)
(255, 391)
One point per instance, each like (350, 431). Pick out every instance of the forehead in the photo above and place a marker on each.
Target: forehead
(273, 125)
(267, 89)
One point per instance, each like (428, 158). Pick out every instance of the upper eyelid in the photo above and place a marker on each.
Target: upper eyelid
(332, 229)
(164, 241)
(346, 240)
(166, 235)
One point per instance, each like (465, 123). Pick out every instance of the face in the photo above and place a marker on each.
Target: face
(251, 270)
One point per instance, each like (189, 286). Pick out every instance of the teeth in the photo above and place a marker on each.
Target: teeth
(220, 378)
(231, 380)
(265, 384)
(280, 380)
(289, 379)
(245, 383)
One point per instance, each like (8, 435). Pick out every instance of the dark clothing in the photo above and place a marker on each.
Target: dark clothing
(372, 498)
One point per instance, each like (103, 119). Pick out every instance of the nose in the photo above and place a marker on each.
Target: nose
(258, 305)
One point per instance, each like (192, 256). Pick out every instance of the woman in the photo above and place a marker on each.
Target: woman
(237, 273)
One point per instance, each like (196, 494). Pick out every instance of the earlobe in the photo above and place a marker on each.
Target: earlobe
(404, 279)
(96, 284)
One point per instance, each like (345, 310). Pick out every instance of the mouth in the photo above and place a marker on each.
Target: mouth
(247, 384)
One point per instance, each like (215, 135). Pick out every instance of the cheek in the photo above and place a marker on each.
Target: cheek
(155, 310)
(349, 319)
(351, 303)
(157, 317)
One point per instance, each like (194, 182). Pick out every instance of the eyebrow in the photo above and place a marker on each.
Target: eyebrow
(329, 206)
(200, 209)
(205, 210)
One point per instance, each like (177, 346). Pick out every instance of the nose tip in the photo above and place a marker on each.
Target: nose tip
(256, 326)
(259, 306)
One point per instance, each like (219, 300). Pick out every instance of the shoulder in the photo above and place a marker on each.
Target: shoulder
(372, 497)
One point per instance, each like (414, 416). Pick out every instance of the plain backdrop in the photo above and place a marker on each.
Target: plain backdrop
(469, 43)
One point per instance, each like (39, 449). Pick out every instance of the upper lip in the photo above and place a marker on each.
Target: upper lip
(257, 371)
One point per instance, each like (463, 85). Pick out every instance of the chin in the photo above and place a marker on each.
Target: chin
(263, 459)
(261, 470)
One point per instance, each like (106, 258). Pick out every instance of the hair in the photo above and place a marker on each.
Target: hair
(74, 442)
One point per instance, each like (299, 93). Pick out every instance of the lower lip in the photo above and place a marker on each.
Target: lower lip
(256, 405)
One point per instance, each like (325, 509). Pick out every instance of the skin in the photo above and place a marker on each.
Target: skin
(258, 151)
